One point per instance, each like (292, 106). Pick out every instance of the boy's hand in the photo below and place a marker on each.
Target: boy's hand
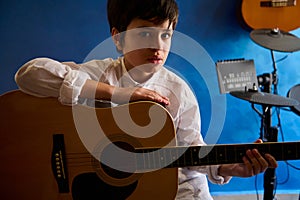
(125, 95)
(254, 163)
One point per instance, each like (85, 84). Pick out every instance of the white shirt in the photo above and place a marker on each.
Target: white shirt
(44, 77)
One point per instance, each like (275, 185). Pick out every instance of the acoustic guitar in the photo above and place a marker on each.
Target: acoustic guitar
(49, 151)
(270, 14)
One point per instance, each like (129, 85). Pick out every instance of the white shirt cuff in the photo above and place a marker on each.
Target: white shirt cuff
(72, 86)
(214, 177)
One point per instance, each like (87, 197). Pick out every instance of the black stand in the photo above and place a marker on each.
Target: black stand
(268, 133)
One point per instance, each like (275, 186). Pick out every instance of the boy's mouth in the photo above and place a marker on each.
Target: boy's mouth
(155, 60)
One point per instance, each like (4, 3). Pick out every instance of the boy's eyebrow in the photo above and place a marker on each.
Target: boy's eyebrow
(153, 28)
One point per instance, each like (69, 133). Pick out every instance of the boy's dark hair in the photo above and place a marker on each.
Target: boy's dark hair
(121, 12)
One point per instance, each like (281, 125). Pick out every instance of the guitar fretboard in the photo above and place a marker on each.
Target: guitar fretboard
(156, 158)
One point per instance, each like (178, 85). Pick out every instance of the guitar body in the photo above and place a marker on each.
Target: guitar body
(257, 16)
(31, 168)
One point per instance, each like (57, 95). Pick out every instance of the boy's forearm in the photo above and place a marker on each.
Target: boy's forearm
(227, 170)
(97, 90)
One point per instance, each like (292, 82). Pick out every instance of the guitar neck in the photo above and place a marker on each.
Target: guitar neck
(155, 158)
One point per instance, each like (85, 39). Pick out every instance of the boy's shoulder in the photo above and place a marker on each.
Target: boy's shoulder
(100, 62)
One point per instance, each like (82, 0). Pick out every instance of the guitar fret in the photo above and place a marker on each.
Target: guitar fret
(140, 160)
(169, 156)
(144, 153)
(172, 157)
(178, 157)
(188, 157)
(184, 159)
(216, 155)
(226, 155)
(242, 153)
(238, 152)
(181, 157)
(145, 164)
(276, 151)
(195, 152)
(173, 153)
(164, 158)
(175, 158)
(137, 162)
(290, 151)
(297, 150)
(194, 156)
(158, 159)
(221, 156)
(225, 158)
(191, 154)
(282, 151)
(207, 156)
(236, 155)
(153, 157)
(222, 152)
(148, 160)
(269, 148)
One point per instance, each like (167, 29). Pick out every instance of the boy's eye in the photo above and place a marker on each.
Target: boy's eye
(144, 34)
(166, 35)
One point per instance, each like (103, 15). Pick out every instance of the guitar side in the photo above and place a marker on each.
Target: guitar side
(285, 18)
(27, 126)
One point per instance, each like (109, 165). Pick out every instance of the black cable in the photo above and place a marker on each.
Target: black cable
(282, 59)
(293, 166)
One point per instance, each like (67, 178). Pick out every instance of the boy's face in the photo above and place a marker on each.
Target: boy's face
(146, 46)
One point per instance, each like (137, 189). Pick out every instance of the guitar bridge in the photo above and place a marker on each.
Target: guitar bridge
(58, 163)
(278, 3)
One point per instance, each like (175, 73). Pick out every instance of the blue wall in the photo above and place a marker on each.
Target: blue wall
(68, 30)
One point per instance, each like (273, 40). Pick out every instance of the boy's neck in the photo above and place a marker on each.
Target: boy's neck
(138, 75)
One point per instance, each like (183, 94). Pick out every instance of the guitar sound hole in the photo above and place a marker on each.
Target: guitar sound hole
(123, 162)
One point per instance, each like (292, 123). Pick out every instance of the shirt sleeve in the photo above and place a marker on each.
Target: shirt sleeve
(44, 77)
(192, 136)
(212, 174)
(189, 134)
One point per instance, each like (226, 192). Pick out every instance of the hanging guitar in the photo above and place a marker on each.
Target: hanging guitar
(48, 152)
(270, 14)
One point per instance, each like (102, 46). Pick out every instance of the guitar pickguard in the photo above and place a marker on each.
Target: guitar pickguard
(90, 186)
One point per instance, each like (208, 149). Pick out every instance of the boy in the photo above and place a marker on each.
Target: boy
(142, 32)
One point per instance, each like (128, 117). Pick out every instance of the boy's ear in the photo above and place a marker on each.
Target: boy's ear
(116, 36)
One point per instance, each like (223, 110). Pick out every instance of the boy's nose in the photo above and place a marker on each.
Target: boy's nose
(158, 43)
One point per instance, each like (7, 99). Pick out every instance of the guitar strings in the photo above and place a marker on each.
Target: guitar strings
(79, 159)
(86, 159)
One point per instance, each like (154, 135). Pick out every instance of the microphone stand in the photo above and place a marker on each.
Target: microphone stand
(268, 133)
